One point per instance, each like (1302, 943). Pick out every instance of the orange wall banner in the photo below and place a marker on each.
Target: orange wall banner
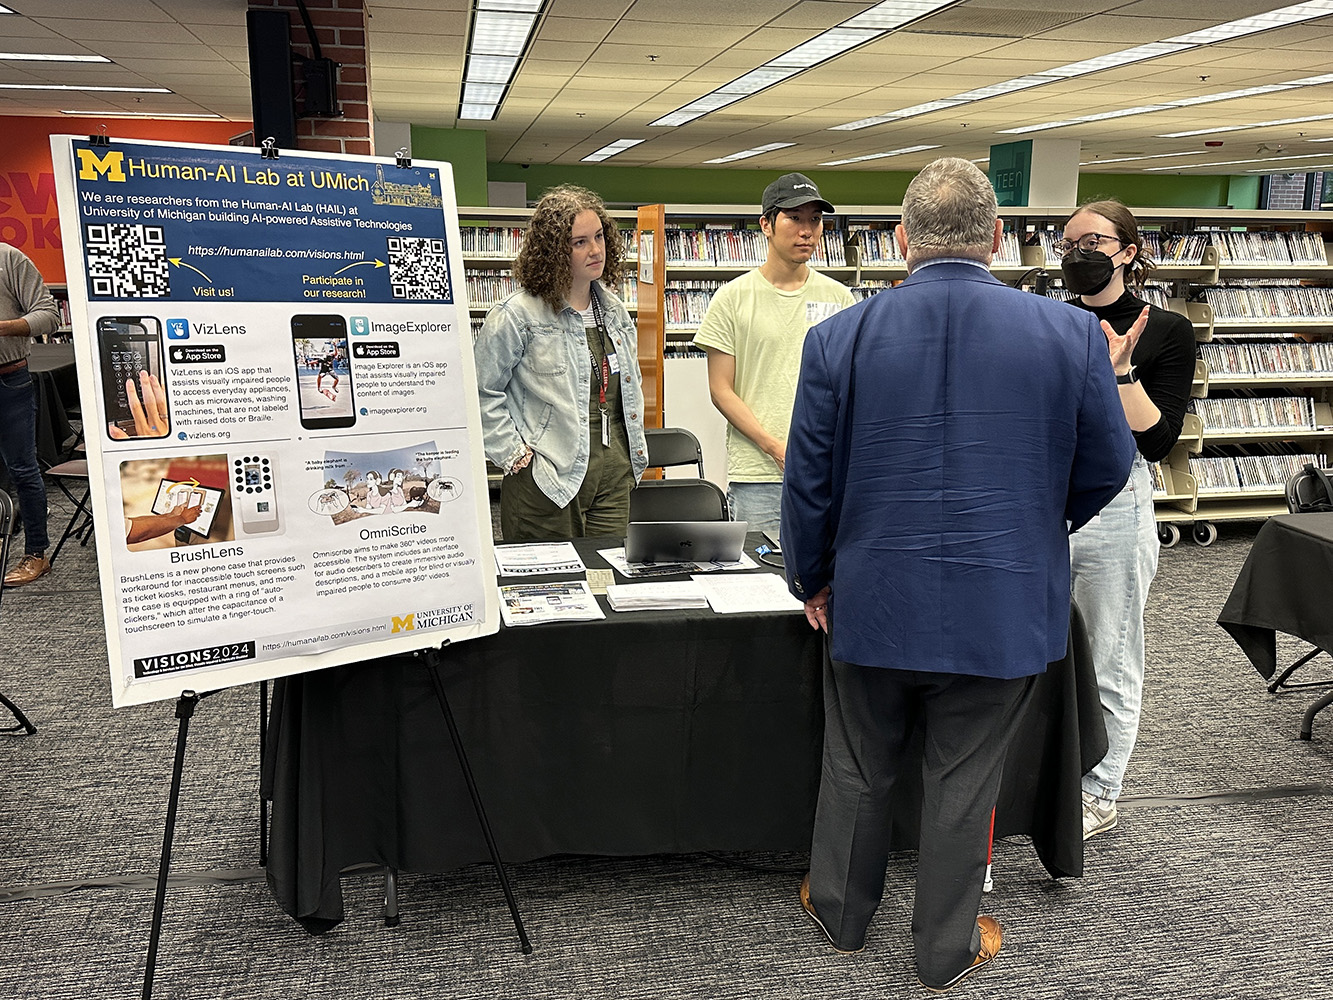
(28, 216)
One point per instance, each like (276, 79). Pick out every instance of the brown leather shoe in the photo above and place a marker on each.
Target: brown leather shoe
(992, 936)
(30, 567)
(810, 910)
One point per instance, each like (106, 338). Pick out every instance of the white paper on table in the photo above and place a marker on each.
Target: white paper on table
(615, 558)
(535, 558)
(660, 596)
(753, 592)
(538, 603)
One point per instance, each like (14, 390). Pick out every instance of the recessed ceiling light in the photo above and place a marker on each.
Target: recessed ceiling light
(1153, 156)
(49, 57)
(878, 156)
(1241, 128)
(139, 114)
(1228, 163)
(501, 32)
(606, 152)
(745, 154)
(87, 89)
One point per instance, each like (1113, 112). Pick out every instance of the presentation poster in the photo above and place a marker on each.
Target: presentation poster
(280, 408)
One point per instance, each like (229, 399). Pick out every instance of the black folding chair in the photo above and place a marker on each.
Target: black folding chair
(80, 524)
(673, 446)
(8, 524)
(677, 500)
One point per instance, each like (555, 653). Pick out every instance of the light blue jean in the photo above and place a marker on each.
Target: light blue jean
(1113, 559)
(758, 503)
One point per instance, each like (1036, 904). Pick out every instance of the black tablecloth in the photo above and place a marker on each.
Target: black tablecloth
(651, 732)
(1286, 585)
(52, 368)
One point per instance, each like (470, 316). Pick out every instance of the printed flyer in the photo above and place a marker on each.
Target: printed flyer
(280, 408)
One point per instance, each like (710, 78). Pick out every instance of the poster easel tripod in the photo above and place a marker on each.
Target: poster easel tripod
(8, 522)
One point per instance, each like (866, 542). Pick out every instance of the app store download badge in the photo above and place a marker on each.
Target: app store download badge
(360, 326)
(178, 329)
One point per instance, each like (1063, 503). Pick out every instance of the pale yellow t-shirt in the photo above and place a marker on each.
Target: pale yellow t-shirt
(764, 328)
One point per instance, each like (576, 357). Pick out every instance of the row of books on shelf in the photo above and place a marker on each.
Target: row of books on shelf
(879, 248)
(1242, 473)
(485, 288)
(1286, 358)
(504, 241)
(1232, 248)
(1151, 293)
(1256, 413)
(741, 248)
(1273, 301)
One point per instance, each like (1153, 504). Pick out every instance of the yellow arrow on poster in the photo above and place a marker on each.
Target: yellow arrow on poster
(361, 263)
(179, 263)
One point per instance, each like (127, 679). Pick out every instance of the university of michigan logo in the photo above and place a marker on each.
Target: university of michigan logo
(110, 165)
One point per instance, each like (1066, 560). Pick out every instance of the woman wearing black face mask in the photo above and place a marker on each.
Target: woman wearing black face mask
(1114, 557)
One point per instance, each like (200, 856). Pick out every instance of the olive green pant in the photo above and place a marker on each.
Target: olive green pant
(600, 508)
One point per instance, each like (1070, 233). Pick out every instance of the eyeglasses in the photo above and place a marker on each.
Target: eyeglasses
(1088, 242)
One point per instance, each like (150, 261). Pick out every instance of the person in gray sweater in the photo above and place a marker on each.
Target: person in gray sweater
(26, 311)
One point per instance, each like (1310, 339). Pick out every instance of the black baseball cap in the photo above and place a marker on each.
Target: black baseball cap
(792, 191)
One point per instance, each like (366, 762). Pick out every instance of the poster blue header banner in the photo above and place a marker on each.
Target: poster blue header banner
(191, 224)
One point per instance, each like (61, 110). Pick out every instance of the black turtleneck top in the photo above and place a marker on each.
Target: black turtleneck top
(1164, 362)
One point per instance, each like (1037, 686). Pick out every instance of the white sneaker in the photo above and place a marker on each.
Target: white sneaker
(1099, 815)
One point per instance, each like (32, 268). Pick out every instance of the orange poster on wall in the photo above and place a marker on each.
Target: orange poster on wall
(28, 217)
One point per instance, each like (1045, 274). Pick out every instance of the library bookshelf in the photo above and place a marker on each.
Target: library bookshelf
(1257, 287)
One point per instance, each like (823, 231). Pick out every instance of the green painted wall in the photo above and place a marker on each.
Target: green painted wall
(647, 185)
(465, 149)
(650, 185)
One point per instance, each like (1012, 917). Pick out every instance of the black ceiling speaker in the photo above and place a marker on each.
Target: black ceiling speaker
(271, 102)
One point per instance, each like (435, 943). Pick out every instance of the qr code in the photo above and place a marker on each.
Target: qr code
(419, 269)
(127, 262)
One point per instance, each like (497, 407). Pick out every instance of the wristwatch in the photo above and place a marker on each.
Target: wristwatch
(1129, 378)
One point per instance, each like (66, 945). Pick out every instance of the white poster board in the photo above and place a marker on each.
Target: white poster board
(293, 476)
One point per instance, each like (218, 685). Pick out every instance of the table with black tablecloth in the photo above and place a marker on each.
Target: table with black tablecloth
(1286, 585)
(52, 369)
(649, 732)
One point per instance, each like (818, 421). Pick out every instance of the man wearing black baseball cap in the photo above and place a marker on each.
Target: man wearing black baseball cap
(753, 333)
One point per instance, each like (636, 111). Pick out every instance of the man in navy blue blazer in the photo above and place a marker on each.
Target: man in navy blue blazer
(948, 434)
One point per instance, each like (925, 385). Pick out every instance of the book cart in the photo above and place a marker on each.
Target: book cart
(1256, 285)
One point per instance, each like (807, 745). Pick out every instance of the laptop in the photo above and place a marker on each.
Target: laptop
(685, 541)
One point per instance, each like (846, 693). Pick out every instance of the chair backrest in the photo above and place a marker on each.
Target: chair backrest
(673, 446)
(7, 516)
(677, 500)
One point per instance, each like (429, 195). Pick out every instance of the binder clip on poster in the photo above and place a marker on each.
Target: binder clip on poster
(268, 149)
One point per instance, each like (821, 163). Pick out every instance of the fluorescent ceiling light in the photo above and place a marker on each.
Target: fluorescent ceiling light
(49, 57)
(496, 34)
(1151, 50)
(139, 114)
(1242, 128)
(1153, 156)
(878, 156)
(1278, 170)
(1320, 140)
(502, 30)
(100, 90)
(5, 10)
(477, 112)
(1229, 163)
(606, 152)
(1184, 102)
(850, 34)
(745, 154)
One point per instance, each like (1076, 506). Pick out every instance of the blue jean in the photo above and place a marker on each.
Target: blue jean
(1113, 559)
(18, 450)
(758, 503)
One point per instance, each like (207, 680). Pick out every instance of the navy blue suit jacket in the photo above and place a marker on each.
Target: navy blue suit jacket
(948, 434)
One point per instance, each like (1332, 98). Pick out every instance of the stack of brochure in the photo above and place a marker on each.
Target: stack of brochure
(656, 596)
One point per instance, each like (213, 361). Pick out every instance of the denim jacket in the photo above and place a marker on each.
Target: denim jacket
(534, 379)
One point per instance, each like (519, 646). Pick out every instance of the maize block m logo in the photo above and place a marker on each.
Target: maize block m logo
(407, 624)
(111, 165)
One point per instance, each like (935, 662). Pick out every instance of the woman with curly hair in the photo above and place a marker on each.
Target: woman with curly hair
(1113, 557)
(558, 375)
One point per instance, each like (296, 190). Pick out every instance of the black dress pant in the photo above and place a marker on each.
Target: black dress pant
(869, 715)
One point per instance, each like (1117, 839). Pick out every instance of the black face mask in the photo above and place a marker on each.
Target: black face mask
(1086, 273)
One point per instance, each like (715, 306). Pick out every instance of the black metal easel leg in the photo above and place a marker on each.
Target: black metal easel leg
(19, 717)
(184, 711)
(433, 667)
(263, 802)
(1307, 723)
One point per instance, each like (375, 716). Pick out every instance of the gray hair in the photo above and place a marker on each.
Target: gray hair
(949, 210)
